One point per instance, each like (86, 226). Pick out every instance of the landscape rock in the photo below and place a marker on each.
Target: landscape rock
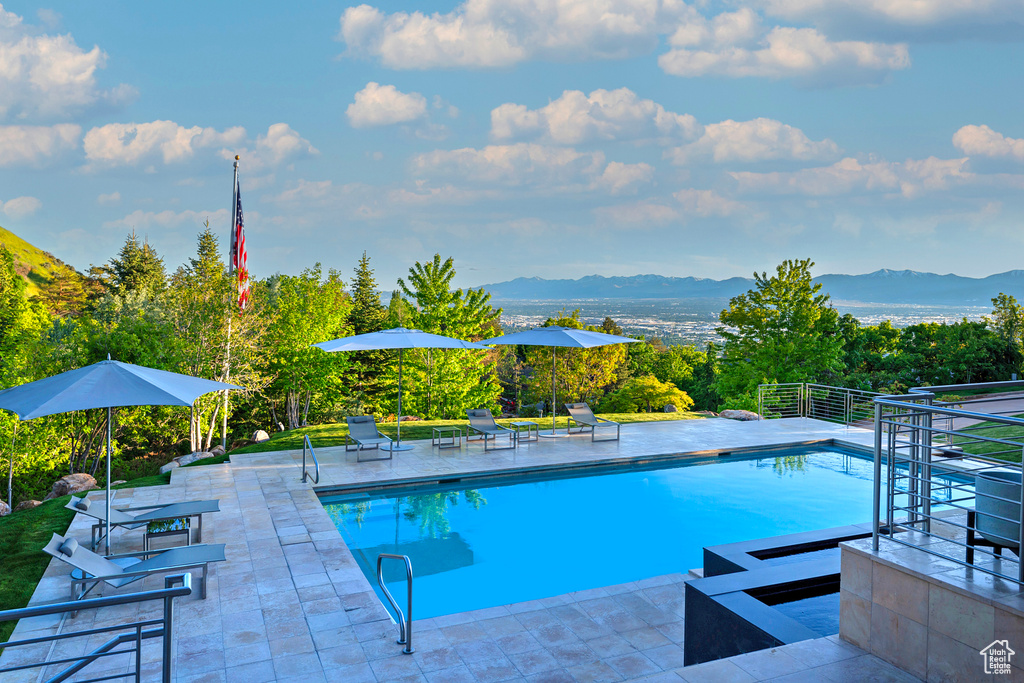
(168, 467)
(119, 481)
(217, 450)
(670, 409)
(72, 483)
(27, 505)
(260, 435)
(742, 415)
(192, 457)
(5, 509)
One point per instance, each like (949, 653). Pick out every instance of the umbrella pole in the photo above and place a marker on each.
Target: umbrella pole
(108, 482)
(397, 445)
(554, 350)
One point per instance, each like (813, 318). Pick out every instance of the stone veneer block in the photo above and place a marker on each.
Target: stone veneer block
(855, 621)
(856, 575)
(951, 660)
(900, 592)
(900, 640)
(955, 615)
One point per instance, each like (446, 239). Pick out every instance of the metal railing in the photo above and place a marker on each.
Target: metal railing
(404, 620)
(131, 634)
(947, 481)
(306, 443)
(818, 401)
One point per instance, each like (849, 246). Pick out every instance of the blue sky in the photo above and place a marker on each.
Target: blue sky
(551, 138)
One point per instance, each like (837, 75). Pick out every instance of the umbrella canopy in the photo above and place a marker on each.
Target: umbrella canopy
(555, 336)
(398, 338)
(107, 384)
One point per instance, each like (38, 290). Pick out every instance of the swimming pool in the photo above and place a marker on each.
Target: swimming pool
(511, 539)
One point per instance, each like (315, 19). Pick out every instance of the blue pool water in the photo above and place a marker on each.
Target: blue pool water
(510, 540)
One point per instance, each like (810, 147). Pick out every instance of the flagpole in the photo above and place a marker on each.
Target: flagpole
(231, 311)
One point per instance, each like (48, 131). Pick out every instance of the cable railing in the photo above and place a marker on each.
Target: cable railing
(126, 642)
(947, 481)
(306, 443)
(818, 401)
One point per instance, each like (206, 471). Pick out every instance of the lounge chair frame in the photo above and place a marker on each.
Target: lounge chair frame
(482, 425)
(363, 441)
(583, 417)
(189, 509)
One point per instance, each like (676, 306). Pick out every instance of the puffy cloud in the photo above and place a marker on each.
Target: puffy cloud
(707, 203)
(757, 140)
(111, 199)
(497, 33)
(512, 165)
(619, 178)
(734, 44)
(602, 115)
(142, 220)
(19, 207)
(48, 76)
(910, 178)
(35, 145)
(984, 142)
(126, 144)
(384, 105)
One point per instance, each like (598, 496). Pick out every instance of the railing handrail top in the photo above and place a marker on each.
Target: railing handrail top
(976, 385)
(781, 384)
(901, 402)
(105, 601)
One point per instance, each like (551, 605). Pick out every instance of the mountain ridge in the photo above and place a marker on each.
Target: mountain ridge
(881, 286)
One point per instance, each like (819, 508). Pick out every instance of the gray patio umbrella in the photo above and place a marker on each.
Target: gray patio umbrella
(555, 336)
(398, 338)
(107, 384)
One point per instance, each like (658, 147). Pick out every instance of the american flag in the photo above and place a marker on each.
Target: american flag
(238, 255)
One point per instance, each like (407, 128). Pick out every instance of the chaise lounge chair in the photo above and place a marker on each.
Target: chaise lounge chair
(363, 432)
(120, 570)
(156, 513)
(583, 417)
(482, 423)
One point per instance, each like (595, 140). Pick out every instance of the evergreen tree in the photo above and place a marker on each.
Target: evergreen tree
(65, 293)
(137, 267)
(367, 315)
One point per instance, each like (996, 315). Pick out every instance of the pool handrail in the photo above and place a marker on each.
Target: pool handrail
(404, 620)
(316, 464)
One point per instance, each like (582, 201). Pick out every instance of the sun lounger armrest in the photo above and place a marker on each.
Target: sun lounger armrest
(604, 419)
(144, 572)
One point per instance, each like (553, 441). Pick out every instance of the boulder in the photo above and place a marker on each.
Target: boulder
(742, 415)
(411, 418)
(168, 467)
(260, 435)
(5, 509)
(192, 457)
(217, 450)
(72, 483)
(27, 505)
(670, 409)
(119, 481)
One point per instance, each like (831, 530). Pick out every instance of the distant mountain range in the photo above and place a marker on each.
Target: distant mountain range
(881, 286)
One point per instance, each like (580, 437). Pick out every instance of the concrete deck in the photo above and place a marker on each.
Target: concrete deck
(291, 604)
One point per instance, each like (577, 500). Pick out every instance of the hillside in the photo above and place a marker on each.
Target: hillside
(882, 286)
(33, 264)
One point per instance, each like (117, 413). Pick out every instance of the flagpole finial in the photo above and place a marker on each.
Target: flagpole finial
(237, 157)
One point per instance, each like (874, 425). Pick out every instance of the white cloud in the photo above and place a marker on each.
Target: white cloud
(48, 76)
(911, 13)
(20, 207)
(126, 144)
(736, 45)
(111, 199)
(35, 145)
(910, 178)
(602, 115)
(498, 33)
(384, 105)
(643, 214)
(707, 203)
(757, 140)
(985, 142)
(279, 144)
(143, 220)
(512, 165)
(618, 178)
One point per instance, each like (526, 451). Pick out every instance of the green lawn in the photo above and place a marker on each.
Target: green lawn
(334, 434)
(994, 430)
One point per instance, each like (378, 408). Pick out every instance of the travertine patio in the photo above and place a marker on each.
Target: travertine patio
(292, 604)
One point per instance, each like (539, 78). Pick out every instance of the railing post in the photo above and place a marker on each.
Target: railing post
(876, 501)
(168, 632)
